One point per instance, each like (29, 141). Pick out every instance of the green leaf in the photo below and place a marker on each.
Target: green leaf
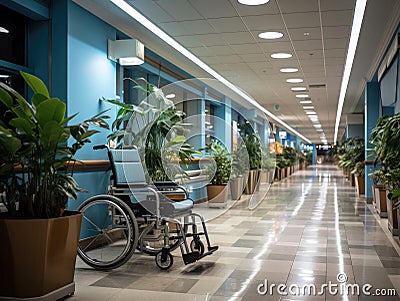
(5, 97)
(52, 109)
(22, 125)
(38, 98)
(51, 135)
(36, 84)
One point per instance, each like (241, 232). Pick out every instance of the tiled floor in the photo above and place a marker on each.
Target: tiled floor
(310, 228)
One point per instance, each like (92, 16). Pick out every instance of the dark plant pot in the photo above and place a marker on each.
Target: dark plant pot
(252, 181)
(373, 186)
(217, 195)
(236, 186)
(352, 179)
(37, 256)
(360, 185)
(380, 196)
(393, 217)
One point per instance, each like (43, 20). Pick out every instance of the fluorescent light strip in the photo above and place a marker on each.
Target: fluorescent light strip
(351, 51)
(166, 38)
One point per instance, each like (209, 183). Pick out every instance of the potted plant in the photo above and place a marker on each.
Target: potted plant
(217, 190)
(240, 167)
(38, 236)
(254, 150)
(379, 191)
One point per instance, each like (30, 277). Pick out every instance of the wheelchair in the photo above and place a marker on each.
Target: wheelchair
(137, 216)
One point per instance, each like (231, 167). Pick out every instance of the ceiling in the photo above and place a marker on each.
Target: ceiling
(224, 35)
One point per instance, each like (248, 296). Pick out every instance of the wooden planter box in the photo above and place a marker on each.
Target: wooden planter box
(37, 257)
(217, 195)
(393, 217)
(380, 196)
(360, 185)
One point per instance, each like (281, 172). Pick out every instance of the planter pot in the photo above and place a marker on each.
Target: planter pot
(217, 195)
(373, 186)
(352, 179)
(264, 176)
(287, 171)
(252, 181)
(360, 184)
(236, 186)
(393, 217)
(380, 196)
(37, 257)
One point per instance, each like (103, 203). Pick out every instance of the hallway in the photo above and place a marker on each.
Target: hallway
(310, 228)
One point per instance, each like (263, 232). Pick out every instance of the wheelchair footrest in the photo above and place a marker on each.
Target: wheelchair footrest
(190, 257)
(212, 249)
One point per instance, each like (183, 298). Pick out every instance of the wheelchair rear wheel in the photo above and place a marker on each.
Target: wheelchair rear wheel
(109, 233)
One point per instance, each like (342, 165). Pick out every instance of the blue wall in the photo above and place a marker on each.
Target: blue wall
(90, 75)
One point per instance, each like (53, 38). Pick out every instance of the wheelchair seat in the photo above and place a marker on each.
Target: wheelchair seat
(130, 182)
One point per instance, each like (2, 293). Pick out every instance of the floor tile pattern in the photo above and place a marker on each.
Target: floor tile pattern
(310, 228)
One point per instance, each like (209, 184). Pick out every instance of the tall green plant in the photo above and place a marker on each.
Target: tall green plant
(223, 161)
(34, 147)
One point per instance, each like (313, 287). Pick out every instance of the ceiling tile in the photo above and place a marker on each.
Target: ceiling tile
(220, 67)
(335, 43)
(297, 34)
(246, 48)
(334, 61)
(230, 59)
(151, 10)
(290, 6)
(227, 24)
(211, 39)
(335, 53)
(276, 47)
(187, 28)
(189, 41)
(320, 75)
(264, 22)
(307, 45)
(284, 63)
(310, 61)
(220, 50)
(310, 54)
(214, 9)
(181, 10)
(260, 66)
(238, 66)
(313, 68)
(297, 20)
(337, 4)
(247, 10)
(238, 37)
(201, 51)
(336, 32)
(337, 18)
(254, 57)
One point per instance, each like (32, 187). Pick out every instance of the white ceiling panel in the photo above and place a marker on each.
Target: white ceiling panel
(298, 34)
(307, 45)
(220, 8)
(335, 61)
(202, 51)
(310, 54)
(181, 10)
(152, 10)
(187, 28)
(336, 53)
(320, 74)
(247, 10)
(335, 43)
(336, 18)
(310, 61)
(264, 23)
(246, 48)
(313, 68)
(260, 66)
(254, 57)
(212, 39)
(227, 24)
(189, 41)
(336, 32)
(220, 50)
(290, 6)
(337, 4)
(276, 47)
(302, 20)
(238, 37)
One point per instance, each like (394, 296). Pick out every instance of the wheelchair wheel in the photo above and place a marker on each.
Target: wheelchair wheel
(197, 246)
(109, 233)
(164, 264)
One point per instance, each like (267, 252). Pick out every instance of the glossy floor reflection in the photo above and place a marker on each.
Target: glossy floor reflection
(311, 229)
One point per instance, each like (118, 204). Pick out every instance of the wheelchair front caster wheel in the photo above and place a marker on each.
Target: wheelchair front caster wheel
(164, 263)
(197, 245)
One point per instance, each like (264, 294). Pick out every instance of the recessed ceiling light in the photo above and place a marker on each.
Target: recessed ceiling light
(306, 34)
(317, 125)
(3, 30)
(170, 96)
(320, 130)
(308, 108)
(281, 55)
(294, 80)
(303, 102)
(298, 89)
(270, 35)
(288, 70)
(302, 96)
(253, 2)
(311, 113)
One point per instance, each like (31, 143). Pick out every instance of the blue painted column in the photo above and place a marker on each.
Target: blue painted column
(371, 115)
(314, 154)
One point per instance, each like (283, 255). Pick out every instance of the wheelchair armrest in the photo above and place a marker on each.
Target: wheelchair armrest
(171, 185)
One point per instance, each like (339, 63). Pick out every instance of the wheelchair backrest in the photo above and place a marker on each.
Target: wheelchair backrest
(127, 167)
